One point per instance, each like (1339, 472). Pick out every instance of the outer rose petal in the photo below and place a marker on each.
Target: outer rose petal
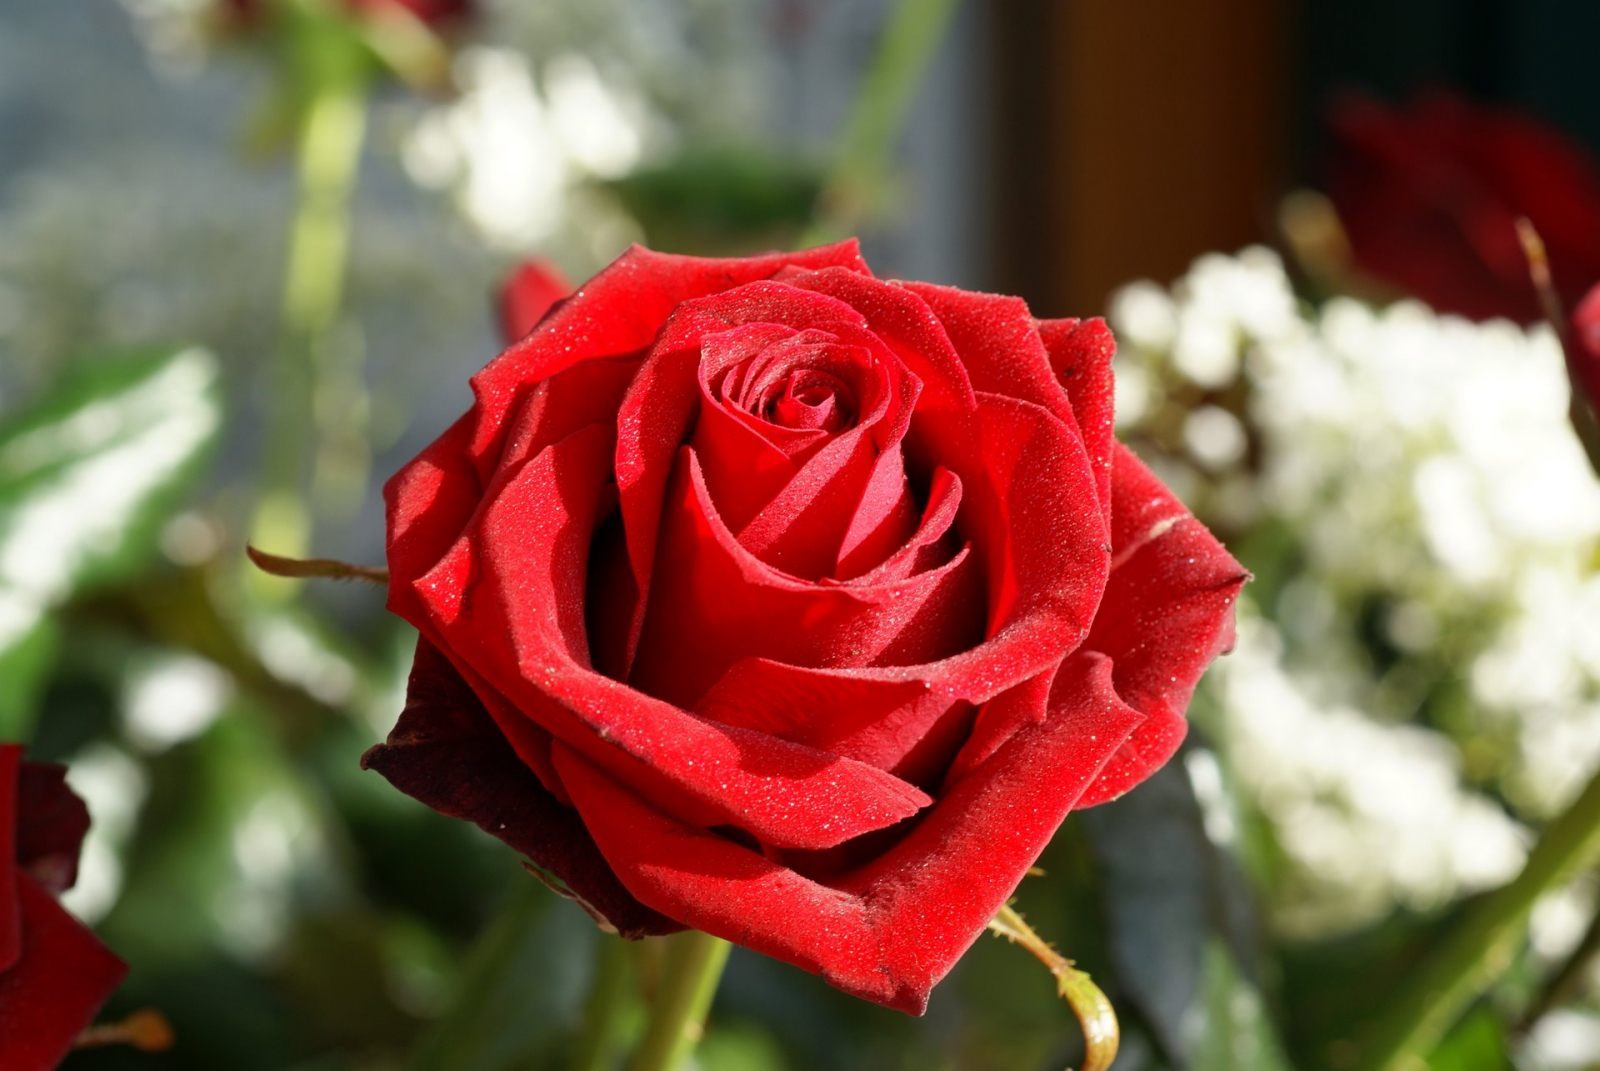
(528, 294)
(1168, 611)
(447, 752)
(51, 824)
(1080, 353)
(998, 342)
(892, 929)
(619, 312)
(10, 909)
(51, 993)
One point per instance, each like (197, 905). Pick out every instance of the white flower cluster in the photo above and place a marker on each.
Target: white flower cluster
(1431, 527)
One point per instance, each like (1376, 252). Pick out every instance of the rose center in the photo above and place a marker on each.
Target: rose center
(809, 399)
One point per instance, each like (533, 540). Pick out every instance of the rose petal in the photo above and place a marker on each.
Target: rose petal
(52, 992)
(618, 313)
(998, 342)
(523, 629)
(903, 321)
(1046, 566)
(51, 824)
(428, 503)
(528, 294)
(446, 752)
(1080, 353)
(659, 409)
(714, 602)
(889, 931)
(10, 909)
(1168, 612)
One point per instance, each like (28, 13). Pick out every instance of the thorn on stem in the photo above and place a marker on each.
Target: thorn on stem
(1096, 1016)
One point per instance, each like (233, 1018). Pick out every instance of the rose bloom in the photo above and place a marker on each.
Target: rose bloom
(1429, 196)
(54, 973)
(431, 12)
(769, 598)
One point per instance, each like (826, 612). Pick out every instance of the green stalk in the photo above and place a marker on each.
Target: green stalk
(1478, 950)
(332, 129)
(604, 1014)
(865, 151)
(694, 966)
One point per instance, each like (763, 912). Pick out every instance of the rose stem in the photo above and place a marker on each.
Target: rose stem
(914, 31)
(603, 1017)
(332, 128)
(1479, 948)
(694, 966)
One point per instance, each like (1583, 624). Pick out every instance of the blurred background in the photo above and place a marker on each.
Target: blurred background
(248, 253)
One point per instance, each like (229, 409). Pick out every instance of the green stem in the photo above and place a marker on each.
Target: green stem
(1475, 953)
(332, 129)
(694, 966)
(865, 151)
(1565, 981)
(459, 1037)
(604, 1013)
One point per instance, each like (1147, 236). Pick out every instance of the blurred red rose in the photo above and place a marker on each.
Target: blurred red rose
(1583, 349)
(432, 12)
(527, 296)
(54, 973)
(1430, 195)
(769, 598)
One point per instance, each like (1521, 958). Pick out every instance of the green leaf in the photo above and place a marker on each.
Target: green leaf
(1179, 934)
(88, 475)
(1236, 1033)
(24, 667)
(1478, 1043)
(721, 198)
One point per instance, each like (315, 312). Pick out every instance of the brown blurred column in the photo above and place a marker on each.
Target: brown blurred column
(1133, 136)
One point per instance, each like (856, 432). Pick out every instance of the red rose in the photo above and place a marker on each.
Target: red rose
(431, 12)
(54, 973)
(528, 295)
(1430, 197)
(769, 598)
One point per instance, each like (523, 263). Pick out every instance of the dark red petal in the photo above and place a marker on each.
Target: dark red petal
(1168, 611)
(51, 824)
(619, 312)
(889, 931)
(54, 990)
(446, 752)
(521, 629)
(1080, 353)
(528, 294)
(10, 909)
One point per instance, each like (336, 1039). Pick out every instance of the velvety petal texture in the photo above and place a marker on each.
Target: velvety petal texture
(54, 973)
(527, 295)
(768, 598)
